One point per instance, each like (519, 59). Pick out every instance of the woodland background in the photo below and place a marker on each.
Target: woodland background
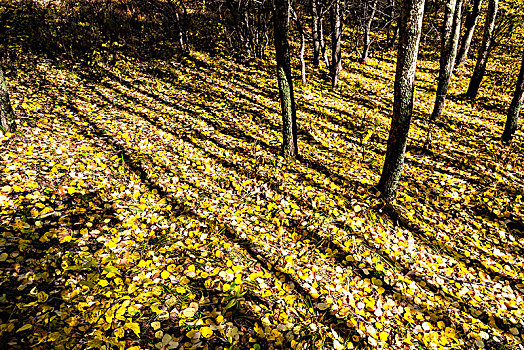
(145, 202)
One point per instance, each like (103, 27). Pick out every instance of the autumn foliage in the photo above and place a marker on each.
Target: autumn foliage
(144, 204)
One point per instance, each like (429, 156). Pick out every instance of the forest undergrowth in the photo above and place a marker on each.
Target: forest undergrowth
(145, 205)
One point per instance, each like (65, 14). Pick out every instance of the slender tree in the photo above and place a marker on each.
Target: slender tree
(409, 40)
(336, 42)
(514, 107)
(302, 34)
(318, 9)
(392, 26)
(366, 28)
(315, 30)
(285, 82)
(469, 30)
(448, 52)
(483, 54)
(323, 45)
(7, 116)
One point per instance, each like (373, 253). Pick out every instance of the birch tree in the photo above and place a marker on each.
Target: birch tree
(484, 50)
(409, 40)
(285, 82)
(448, 52)
(514, 107)
(7, 116)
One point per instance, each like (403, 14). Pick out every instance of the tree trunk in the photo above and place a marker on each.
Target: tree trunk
(323, 44)
(391, 43)
(181, 35)
(514, 107)
(484, 51)
(315, 32)
(367, 33)
(7, 116)
(389, 15)
(336, 50)
(450, 38)
(300, 29)
(302, 52)
(182, 23)
(285, 83)
(469, 25)
(409, 40)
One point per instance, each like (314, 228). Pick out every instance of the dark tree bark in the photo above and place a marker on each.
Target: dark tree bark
(484, 51)
(391, 41)
(336, 45)
(315, 31)
(469, 28)
(7, 116)
(409, 40)
(448, 52)
(182, 38)
(367, 32)
(514, 107)
(323, 44)
(392, 30)
(285, 82)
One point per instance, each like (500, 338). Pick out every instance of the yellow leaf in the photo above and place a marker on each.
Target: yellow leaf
(103, 283)
(189, 312)
(450, 332)
(367, 136)
(135, 327)
(3, 256)
(165, 274)
(42, 297)
(337, 345)
(155, 325)
(64, 239)
(322, 306)
(206, 332)
(383, 336)
(24, 327)
(119, 333)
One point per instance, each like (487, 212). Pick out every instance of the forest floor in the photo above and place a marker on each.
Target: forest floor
(145, 205)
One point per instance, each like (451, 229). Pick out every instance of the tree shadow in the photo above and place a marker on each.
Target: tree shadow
(326, 171)
(325, 244)
(46, 242)
(232, 131)
(256, 254)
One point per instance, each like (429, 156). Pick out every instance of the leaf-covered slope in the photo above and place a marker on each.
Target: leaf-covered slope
(145, 205)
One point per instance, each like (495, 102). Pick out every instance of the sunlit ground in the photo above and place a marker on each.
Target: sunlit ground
(145, 205)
